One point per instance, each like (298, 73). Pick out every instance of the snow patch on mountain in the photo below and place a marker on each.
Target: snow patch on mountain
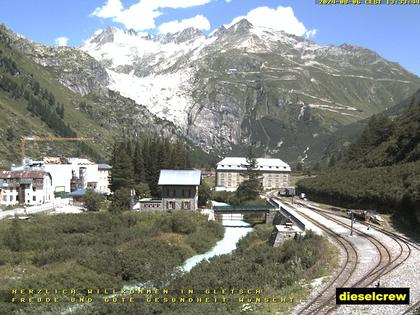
(166, 95)
(126, 48)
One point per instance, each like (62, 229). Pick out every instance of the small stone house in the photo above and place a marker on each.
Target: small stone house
(179, 189)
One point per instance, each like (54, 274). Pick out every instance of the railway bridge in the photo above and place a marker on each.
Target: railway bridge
(267, 212)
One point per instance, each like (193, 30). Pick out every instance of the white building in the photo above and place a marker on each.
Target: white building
(274, 173)
(69, 174)
(104, 173)
(25, 187)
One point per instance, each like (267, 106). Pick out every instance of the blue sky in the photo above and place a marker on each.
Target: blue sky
(390, 30)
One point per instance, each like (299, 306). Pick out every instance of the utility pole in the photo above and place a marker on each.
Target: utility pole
(351, 231)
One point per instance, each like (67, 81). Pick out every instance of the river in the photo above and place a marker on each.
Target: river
(235, 229)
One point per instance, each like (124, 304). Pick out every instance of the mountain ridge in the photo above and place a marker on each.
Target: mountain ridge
(238, 85)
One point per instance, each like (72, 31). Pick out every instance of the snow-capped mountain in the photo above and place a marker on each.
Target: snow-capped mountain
(239, 84)
(246, 83)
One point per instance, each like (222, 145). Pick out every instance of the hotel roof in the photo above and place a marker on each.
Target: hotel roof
(22, 174)
(180, 177)
(239, 163)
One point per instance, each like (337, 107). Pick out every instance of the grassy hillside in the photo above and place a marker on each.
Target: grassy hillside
(380, 170)
(387, 142)
(405, 126)
(34, 103)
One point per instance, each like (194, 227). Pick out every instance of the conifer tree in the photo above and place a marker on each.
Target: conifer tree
(122, 168)
(250, 188)
(138, 163)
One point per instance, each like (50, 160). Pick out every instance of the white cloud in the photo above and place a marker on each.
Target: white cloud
(109, 9)
(141, 15)
(199, 21)
(282, 19)
(61, 41)
(311, 33)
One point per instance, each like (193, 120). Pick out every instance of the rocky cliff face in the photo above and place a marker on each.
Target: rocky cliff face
(73, 68)
(237, 85)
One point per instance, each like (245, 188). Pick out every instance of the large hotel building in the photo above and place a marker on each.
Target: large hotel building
(274, 173)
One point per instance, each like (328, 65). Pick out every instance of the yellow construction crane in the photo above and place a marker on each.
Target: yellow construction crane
(45, 139)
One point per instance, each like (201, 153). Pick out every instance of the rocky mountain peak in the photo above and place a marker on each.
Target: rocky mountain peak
(185, 35)
(241, 27)
(106, 36)
(132, 32)
(219, 31)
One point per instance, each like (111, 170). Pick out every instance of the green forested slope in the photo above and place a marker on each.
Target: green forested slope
(380, 170)
(334, 146)
(33, 103)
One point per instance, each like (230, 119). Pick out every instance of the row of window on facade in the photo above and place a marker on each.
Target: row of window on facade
(261, 166)
(185, 205)
(229, 175)
(17, 199)
(186, 193)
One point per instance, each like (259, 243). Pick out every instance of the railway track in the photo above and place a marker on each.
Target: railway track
(327, 295)
(384, 266)
(404, 243)
(323, 302)
(376, 227)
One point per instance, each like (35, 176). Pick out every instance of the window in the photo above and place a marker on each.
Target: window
(11, 198)
(4, 198)
(33, 188)
(34, 198)
(17, 198)
(171, 192)
(170, 205)
(186, 205)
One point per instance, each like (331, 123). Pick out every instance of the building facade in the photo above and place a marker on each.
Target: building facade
(25, 188)
(70, 174)
(179, 191)
(275, 173)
